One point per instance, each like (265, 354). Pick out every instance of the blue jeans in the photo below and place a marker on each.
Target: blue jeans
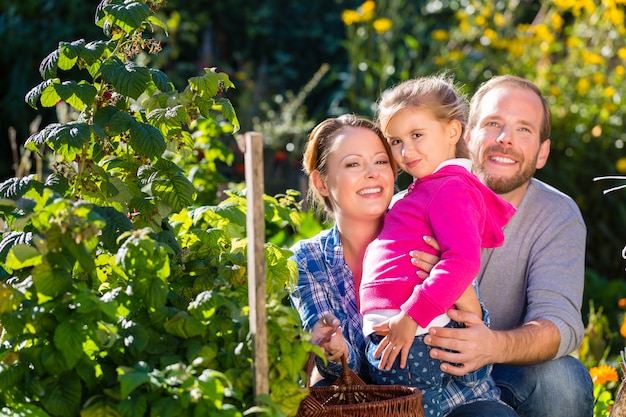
(483, 409)
(421, 371)
(560, 387)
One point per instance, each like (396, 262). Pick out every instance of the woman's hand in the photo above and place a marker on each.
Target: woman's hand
(423, 260)
(327, 333)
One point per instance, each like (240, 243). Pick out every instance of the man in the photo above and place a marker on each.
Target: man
(532, 286)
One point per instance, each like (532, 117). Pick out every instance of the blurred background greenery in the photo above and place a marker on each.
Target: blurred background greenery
(295, 63)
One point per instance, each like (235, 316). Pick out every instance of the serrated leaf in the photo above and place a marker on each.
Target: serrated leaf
(62, 397)
(169, 120)
(128, 79)
(185, 326)
(77, 95)
(33, 96)
(68, 139)
(14, 188)
(51, 281)
(68, 339)
(131, 379)
(146, 140)
(177, 191)
(128, 16)
(92, 52)
(69, 53)
(116, 224)
(49, 65)
(23, 256)
(161, 80)
(228, 112)
(113, 120)
(12, 239)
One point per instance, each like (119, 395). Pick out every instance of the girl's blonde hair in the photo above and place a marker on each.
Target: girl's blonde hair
(436, 94)
(320, 144)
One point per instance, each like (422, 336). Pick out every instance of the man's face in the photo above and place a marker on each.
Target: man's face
(505, 143)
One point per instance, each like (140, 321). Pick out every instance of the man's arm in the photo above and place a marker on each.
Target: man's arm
(477, 345)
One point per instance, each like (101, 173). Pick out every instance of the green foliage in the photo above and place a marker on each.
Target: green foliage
(124, 280)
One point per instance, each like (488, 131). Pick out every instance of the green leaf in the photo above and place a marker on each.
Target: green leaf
(128, 16)
(211, 83)
(77, 95)
(169, 183)
(112, 120)
(33, 96)
(10, 299)
(51, 281)
(69, 54)
(116, 224)
(66, 139)
(62, 395)
(185, 326)
(228, 112)
(128, 79)
(147, 140)
(68, 339)
(24, 410)
(15, 188)
(49, 65)
(23, 256)
(130, 379)
(162, 81)
(169, 120)
(92, 52)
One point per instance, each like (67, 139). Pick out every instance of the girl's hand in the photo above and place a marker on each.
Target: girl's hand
(423, 260)
(400, 335)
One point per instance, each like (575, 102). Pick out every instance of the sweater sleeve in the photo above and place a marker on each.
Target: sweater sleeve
(456, 215)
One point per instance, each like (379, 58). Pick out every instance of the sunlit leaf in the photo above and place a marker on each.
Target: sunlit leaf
(147, 140)
(128, 78)
(33, 96)
(128, 16)
(23, 256)
(49, 65)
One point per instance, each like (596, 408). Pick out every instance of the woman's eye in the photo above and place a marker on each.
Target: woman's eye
(383, 162)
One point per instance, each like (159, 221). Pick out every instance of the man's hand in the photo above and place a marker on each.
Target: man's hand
(471, 348)
(400, 335)
(327, 333)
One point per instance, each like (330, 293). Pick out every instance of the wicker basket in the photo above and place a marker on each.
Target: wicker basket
(350, 396)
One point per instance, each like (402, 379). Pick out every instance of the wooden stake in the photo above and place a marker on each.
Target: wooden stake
(252, 145)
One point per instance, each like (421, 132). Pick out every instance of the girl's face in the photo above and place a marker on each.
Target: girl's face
(359, 179)
(419, 142)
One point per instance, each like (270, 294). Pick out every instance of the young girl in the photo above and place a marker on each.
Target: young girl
(424, 120)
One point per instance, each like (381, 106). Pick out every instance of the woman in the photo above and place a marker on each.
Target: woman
(351, 174)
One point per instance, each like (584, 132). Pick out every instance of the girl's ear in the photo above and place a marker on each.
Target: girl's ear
(454, 131)
(319, 183)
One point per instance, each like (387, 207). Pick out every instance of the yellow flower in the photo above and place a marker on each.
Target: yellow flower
(557, 21)
(455, 55)
(598, 78)
(603, 374)
(350, 16)
(620, 70)
(616, 16)
(382, 25)
(440, 35)
(622, 329)
(621, 53)
(592, 58)
(582, 86)
(481, 21)
(609, 91)
(498, 20)
(367, 10)
(490, 34)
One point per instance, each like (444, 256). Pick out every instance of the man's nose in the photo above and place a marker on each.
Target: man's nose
(505, 137)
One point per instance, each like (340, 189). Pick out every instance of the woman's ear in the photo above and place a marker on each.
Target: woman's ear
(319, 183)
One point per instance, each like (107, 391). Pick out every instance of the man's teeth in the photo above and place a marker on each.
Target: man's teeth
(503, 160)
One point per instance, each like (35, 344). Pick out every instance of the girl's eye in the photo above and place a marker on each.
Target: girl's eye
(395, 142)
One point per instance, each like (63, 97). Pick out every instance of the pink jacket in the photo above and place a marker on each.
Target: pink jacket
(454, 207)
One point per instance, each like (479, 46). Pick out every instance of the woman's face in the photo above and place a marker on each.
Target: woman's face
(360, 179)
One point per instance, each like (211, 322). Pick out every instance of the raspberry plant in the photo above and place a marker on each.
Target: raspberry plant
(121, 294)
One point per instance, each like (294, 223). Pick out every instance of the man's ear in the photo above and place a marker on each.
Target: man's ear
(319, 183)
(544, 152)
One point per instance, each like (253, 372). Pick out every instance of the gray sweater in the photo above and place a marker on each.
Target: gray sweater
(539, 271)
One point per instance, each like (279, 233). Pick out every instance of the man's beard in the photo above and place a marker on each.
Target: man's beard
(503, 185)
